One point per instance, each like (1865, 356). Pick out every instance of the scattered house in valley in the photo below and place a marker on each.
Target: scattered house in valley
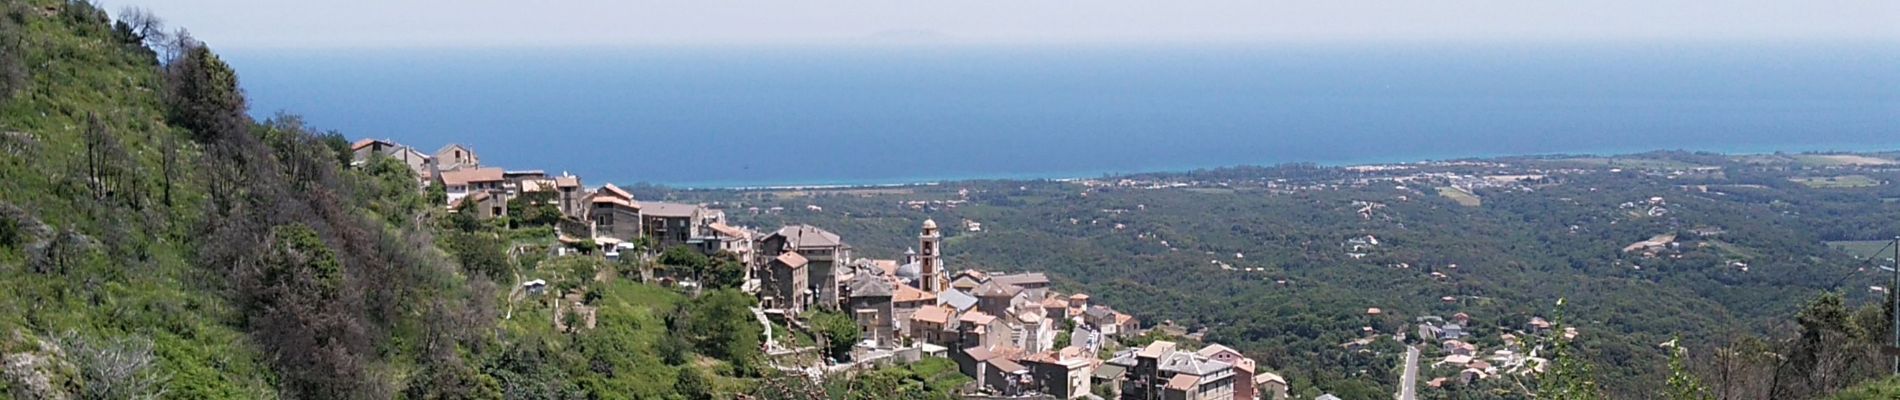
(456, 156)
(461, 182)
(615, 214)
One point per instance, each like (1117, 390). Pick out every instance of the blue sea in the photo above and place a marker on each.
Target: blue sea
(756, 116)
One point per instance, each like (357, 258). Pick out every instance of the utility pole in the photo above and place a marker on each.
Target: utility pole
(1894, 299)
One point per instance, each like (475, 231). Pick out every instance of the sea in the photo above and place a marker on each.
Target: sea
(750, 116)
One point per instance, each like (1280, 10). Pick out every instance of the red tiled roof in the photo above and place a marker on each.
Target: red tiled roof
(470, 175)
(938, 315)
(791, 259)
(906, 293)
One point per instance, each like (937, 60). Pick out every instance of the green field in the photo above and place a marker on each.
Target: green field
(1863, 248)
(1463, 197)
(1837, 182)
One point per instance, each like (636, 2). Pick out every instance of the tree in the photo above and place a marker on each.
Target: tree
(297, 306)
(722, 326)
(727, 271)
(840, 333)
(1062, 339)
(204, 95)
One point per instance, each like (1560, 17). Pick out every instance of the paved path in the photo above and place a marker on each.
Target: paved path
(1408, 383)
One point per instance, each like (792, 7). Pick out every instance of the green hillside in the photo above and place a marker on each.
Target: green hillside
(155, 242)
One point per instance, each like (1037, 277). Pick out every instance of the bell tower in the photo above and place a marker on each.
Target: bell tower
(930, 258)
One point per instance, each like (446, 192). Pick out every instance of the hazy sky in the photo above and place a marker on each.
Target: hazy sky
(480, 23)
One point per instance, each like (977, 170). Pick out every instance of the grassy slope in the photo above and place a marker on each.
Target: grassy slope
(152, 293)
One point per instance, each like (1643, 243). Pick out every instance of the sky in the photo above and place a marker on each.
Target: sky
(277, 24)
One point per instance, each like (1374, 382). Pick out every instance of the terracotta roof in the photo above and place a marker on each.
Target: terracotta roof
(600, 199)
(888, 266)
(1244, 364)
(907, 293)
(615, 191)
(1054, 302)
(792, 259)
(976, 317)
(1264, 377)
(1157, 349)
(470, 175)
(727, 230)
(1183, 382)
(1123, 318)
(360, 144)
(938, 315)
(1079, 296)
(567, 181)
(1215, 349)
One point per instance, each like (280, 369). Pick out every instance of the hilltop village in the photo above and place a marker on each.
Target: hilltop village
(1012, 333)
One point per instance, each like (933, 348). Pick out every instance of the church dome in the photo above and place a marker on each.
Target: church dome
(930, 223)
(911, 271)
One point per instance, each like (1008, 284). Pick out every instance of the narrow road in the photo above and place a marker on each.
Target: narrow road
(1408, 383)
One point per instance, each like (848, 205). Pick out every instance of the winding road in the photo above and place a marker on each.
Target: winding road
(1408, 383)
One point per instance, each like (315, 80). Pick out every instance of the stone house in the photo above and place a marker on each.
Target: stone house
(869, 302)
(456, 156)
(824, 252)
(786, 285)
(615, 214)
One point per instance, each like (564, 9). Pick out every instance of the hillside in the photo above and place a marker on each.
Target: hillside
(155, 242)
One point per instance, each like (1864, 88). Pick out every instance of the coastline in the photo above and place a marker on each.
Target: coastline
(1063, 177)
